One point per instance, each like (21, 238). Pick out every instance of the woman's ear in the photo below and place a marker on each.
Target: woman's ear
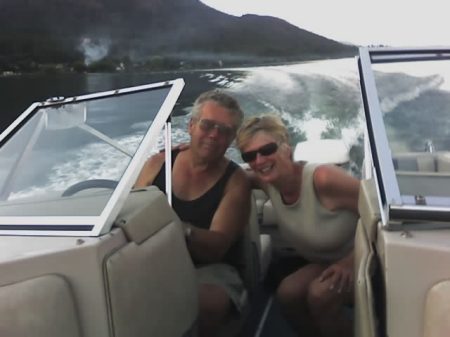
(287, 150)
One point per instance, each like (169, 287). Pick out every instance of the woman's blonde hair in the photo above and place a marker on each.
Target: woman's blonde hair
(270, 124)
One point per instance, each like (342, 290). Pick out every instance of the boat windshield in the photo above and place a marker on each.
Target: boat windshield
(68, 164)
(406, 96)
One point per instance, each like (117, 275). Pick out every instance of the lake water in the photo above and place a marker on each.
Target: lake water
(318, 99)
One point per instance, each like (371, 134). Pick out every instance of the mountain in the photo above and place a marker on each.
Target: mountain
(64, 31)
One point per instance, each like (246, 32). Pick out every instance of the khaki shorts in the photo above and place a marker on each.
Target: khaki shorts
(227, 277)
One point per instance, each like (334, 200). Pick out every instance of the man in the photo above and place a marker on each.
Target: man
(211, 195)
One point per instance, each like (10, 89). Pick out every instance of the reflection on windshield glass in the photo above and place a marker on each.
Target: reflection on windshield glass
(415, 102)
(63, 145)
(414, 99)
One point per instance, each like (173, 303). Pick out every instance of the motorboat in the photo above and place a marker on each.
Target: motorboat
(84, 254)
(402, 244)
(81, 252)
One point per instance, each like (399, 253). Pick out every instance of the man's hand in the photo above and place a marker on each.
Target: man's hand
(187, 230)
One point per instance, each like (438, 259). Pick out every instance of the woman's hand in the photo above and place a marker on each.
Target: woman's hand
(180, 147)
(339, 275)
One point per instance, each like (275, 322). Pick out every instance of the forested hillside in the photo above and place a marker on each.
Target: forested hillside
(147, 33)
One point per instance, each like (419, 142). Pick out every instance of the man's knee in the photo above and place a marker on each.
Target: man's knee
(215, 304)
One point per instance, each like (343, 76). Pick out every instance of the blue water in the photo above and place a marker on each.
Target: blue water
(319, 99)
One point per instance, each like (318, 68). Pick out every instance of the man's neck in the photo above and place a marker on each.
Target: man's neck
(197, 164)
(192, 178)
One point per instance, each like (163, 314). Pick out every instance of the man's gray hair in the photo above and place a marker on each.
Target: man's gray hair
(222, 99)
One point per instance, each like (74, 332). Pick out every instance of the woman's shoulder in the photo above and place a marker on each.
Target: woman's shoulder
(336, 185)
(326, 175)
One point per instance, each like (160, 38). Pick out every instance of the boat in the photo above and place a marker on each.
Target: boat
(84, 254)
(402, 250)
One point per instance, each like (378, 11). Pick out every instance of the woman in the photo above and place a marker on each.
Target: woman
(317, 210)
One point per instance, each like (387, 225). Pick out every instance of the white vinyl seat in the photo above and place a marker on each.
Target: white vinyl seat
(366, 323)
(254, 250)
(253, 255)
(262, 242)
(41, 307)
(151, 281)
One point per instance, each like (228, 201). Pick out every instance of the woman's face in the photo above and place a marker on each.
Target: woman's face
(266, 156)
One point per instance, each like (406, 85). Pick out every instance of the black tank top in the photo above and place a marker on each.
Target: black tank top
(198, 212)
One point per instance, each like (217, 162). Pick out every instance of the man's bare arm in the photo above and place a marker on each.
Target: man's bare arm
(150, 170)
(228, 222)
(253, 178)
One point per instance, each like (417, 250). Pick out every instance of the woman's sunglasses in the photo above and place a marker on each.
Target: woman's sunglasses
(265, 150)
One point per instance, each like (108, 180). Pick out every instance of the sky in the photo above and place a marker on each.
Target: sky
(400, 23)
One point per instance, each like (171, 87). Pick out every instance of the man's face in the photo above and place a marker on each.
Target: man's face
(212, 132)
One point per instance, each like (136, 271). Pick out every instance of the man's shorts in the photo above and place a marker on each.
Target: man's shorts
(227, 277)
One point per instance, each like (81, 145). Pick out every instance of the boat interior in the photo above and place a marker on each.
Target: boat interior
(423, 173)
(402, 238)
(92, 256)
(89, 256)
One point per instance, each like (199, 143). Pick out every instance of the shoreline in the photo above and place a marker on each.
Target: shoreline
(61, 69)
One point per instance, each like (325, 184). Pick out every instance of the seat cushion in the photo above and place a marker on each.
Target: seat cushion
(38, 307)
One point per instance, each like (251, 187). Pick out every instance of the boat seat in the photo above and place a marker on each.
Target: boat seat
(424, 183)
(423, 173)
(146, 301)
(253, 255)
(165, 264)
(253, 252)
(422, 162)
(366, 323)
(437, 310)
(262, 242)
(39, 307)
(443, 162)
(415, 161)
(134, 218)
(269, 215)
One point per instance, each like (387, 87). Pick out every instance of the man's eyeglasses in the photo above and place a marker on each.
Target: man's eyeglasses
(265, 150)
(208, 125)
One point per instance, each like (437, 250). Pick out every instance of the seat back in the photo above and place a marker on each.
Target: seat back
(415, 161)
(245, 254)
(151, 281)
(249, 255)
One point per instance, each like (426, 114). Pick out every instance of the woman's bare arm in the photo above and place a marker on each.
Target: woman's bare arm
(336, 189)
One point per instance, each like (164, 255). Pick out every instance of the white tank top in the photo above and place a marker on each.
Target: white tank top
(318, 234)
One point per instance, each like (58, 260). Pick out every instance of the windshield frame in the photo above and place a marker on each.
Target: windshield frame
(396, 209)
(72, 225)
